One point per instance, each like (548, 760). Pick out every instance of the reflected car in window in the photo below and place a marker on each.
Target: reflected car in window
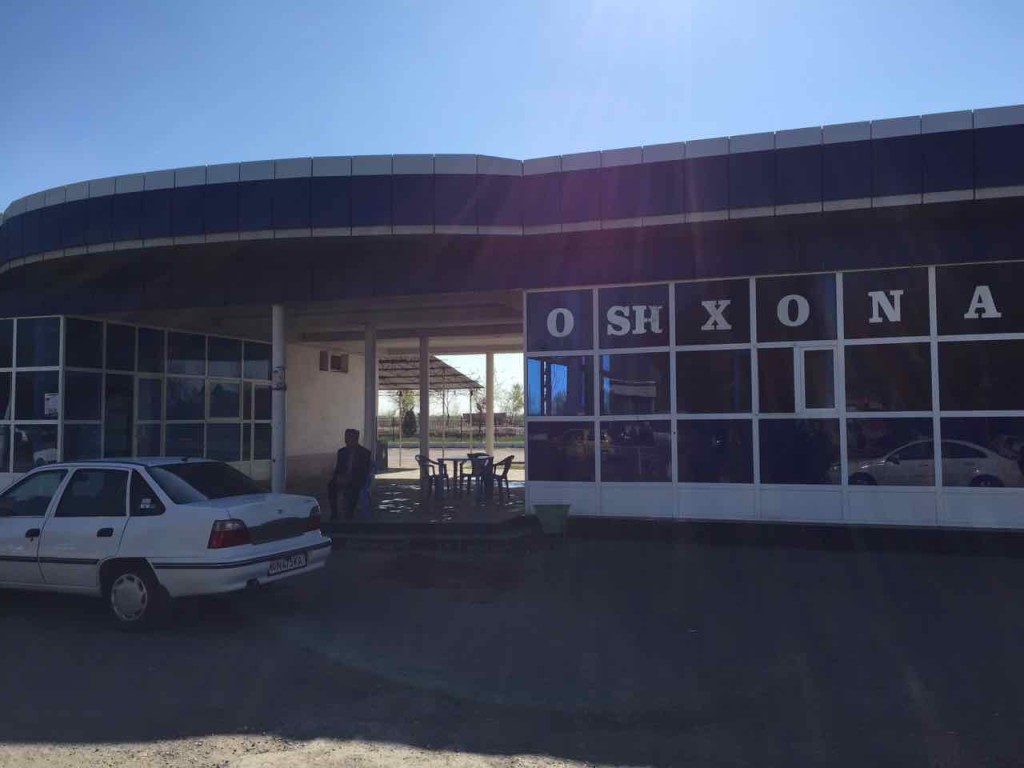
(963, 464)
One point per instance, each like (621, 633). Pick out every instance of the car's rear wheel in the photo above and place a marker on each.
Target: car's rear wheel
(135, 598)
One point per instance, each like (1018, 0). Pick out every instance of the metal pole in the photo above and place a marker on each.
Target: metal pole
(489, 406)
(278, 402)
(370, 390)
(425, 396)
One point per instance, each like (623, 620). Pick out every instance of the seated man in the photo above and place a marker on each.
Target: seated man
(351, 472)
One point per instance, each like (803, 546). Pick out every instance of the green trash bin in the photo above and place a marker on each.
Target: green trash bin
(552, 517)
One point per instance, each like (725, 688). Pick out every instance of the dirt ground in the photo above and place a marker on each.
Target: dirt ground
(587, 653)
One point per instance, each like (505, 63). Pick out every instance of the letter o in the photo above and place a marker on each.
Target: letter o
(560, 322)
(785, 314)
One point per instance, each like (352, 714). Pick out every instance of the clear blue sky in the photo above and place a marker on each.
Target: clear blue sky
(98, 89)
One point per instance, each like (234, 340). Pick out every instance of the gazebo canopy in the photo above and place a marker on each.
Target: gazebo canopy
(404, 373)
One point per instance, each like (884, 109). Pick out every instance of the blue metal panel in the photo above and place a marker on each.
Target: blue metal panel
(500, 201)
(156, 213)
(187, 211)
(3, 244)
(220, 207)
(622, 191)
(127, 216)
(255, 205)
(948, 161)
(98, 220)
(49, 228)
(846, 170)
(999, 156)
(371, 201)
(291, 203)
(30, 232)
(752, 180)
(896, 166)
(331, 201)
(455, 199)
(707, 183)
(73, 222)
(414, 199)
(581, 195)
(664, 189)
(798, 175)
(542, 199)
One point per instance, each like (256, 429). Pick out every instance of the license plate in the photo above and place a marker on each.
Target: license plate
(290, 563)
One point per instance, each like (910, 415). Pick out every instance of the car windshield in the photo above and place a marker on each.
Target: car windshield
(190, 482)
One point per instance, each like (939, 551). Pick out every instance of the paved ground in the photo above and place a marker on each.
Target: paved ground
(587, 653)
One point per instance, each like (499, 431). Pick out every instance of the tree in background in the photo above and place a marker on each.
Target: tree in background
(512, 400)
(404, 401)
(410, 424)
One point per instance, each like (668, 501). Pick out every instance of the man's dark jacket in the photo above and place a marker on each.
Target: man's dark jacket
(360, 467)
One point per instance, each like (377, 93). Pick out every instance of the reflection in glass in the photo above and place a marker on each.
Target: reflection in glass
(713, 382)
(262, 403)
(257, 361)
(719, 451)
(636, 451)
(149, 440)
(635, 384)
(37, 395)
(981, 375)
(82, 441)
(889, 377)
(83, 393)
(151, 350)
(983, 452)
(119, 419)
(222, 441)
(38, 342)
(5, 397)
(796, 308)
(225, 358)
(6, 343)
(560, 451)
(261, 442)
(120, 347)
(775, 380)
(34, 445)
(186, 353)
(890, 452)
(185, 440)
(185, 399)
(799, 451)
(246, 442)
(83, 343)
(5, 448)
(151, 393)
(225, 399)
(819, 378)
(558, 386)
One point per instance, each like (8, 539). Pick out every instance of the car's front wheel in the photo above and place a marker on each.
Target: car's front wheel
(135, 598)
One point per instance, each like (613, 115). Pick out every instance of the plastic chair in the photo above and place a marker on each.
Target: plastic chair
(477, 469)
(433, 473)
(500, 472)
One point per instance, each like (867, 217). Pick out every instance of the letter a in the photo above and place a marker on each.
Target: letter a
(982, 305)
(716, 317)
(881, 301)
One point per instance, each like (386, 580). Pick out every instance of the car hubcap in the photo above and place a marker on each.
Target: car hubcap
(129, 597)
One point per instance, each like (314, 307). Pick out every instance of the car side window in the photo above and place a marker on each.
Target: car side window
(31, 497)
(94, 493)
(960, 451)
(915, 452)
(144, 501)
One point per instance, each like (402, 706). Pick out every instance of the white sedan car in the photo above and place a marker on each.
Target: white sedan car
(139, 532)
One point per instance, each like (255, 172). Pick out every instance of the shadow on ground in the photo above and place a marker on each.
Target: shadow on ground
(643, 653)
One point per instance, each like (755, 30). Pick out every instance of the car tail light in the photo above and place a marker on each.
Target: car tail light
(228, 533)
(313, 524)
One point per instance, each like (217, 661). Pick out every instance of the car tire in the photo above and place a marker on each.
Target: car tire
(862, 478)
(135, 599)
(986, 481)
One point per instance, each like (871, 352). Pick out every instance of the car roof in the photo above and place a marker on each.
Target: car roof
(141, 461)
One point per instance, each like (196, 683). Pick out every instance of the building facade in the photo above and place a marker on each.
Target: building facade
(814, 325)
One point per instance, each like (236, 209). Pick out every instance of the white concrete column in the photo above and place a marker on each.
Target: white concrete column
(425, 396)
(278, 402)
(489, 405)
(370, 389)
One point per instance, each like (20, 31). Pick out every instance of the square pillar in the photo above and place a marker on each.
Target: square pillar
(370, 391)
(425, 396)
(489, 405)
(278, 401)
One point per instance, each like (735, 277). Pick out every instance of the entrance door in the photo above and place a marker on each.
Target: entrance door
(23, 509)
(85, 528)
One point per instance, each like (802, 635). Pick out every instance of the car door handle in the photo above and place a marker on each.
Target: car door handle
(32, 533)
(104, 533)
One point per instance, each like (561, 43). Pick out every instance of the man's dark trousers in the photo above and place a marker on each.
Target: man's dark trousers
(351, 499)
